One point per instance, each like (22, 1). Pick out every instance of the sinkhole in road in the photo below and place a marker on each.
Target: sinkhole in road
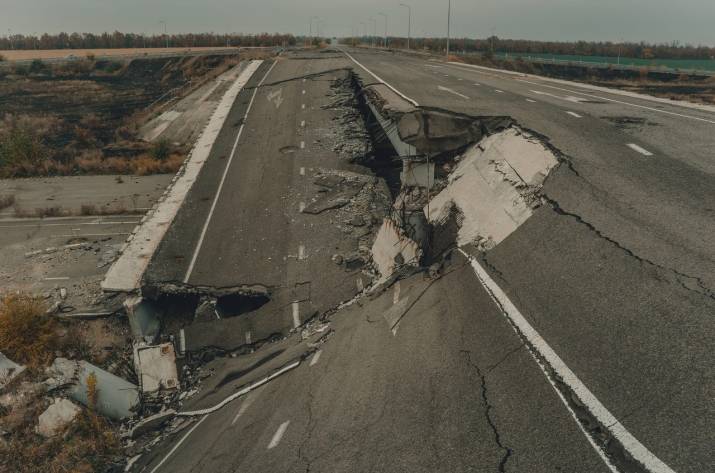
(234, 305)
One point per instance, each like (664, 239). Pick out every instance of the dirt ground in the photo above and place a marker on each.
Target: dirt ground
(63, 53)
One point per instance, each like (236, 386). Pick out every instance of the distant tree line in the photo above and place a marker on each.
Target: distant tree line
(643, 50)
(118, 40)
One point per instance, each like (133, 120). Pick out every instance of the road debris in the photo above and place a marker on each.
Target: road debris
(156, 367)
(56, 417)
(9, 371)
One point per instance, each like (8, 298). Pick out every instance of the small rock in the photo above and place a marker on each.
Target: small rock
(56, 417)
(337, 259)
(357, 221)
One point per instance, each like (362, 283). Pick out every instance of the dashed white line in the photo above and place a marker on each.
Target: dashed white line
(301, 252)
(302, 106)
(445, 89)
(244, 407)
(531, 101)
(315, 358)
(296, 314)
(477, 84)
(637, 148)
(249, 338)
(302, 171)
(301, 207)
(574, 114)
(278, 435)
(498, 91)
(304, 92)
(302, 124)
(302, 145)
(396, 293)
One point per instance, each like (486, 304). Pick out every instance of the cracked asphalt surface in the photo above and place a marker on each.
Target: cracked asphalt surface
(615, 271)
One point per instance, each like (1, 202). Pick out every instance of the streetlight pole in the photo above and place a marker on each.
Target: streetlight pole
(166, 36)
(409, 22)
(310, 34)
(449, 23)
(384, 16)
(374, 31)
(364, 27)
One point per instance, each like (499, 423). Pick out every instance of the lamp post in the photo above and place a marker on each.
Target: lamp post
(409, 22)
(449, 23)
(384, 16)
(364, 27)
(374, 31)
(166, 36)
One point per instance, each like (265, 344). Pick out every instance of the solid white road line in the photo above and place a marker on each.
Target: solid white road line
(637, 148)
(63, 278)
(600, 97)
(296, 314)
(573, 114)
(413, 102)
(636, 449)
(278, 435)
(396, 293)
(223, 178)
(445, 89)
(315, 358)
(178, 444)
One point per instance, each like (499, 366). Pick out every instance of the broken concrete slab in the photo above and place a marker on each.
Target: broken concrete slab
(494, 187)
(116, 397)
(151, 423)
(56, 417)
(9, 371)
(392, 248)
(156, 367)
(417, 174)
(143, 318)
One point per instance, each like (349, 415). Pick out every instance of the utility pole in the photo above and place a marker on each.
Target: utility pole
(449, 23)
(385, 42)
(9, 36)
(409, 22)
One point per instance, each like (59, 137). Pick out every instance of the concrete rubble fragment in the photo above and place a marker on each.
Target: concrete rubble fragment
(9, 371)
(156, 367)
(116, 397)
(392, 249)
(143, 318)
(151, 423)
(56, 417)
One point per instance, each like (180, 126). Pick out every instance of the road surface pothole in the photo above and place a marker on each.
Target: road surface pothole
(289, 149)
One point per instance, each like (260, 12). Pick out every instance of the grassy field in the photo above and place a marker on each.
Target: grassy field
(20, 55)
(675, 64)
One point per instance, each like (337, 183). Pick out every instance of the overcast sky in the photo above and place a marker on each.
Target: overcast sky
(688, 21)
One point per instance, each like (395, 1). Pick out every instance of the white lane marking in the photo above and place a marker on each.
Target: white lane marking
(460, 79)
(642, 151)
(244, 407)
(498, 91)
(636, 449)
(396, 293)
(296, 314)
(477, 84)
(223, 179)
(531, 101)
(301, 207)
(413, 102)
(652, 109)
(302, 106)
(302, 124)
(573, 114)
(304, 92)
(360, 284)
(446, 75)
(445, 89)
(178, 444)
(302, 171)
(302, 145)
(301, 252)
(249, 339)
(315, 358)
(63, 278)
(278, 435)
(304, 81)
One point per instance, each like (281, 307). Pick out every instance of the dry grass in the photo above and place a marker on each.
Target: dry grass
(27, 334)
(17, 55)
(6, 200)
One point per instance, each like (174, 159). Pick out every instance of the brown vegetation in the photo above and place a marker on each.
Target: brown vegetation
(6, 201)
(27, 334)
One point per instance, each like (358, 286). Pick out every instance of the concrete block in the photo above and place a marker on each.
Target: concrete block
(417, 174)
(156, 367)
(9, 371)
(392, 249)
(143, 318)
(56, 417)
